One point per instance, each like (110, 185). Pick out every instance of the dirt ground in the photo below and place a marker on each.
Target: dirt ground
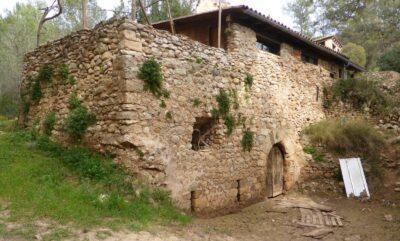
(363, 220)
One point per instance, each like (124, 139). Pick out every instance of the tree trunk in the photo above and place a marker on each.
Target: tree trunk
(84, 14)
(44, 18)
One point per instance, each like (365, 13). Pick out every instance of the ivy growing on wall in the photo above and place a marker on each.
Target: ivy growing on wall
(247, 140)
(63, 72)
(248, 81)
(36, 91)
(45, 74)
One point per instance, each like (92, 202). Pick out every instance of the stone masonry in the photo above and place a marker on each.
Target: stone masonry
(286, 96)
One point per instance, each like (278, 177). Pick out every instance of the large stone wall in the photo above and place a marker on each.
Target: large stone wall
(131, 121)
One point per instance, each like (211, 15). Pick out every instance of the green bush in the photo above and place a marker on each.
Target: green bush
(73, 101)
(356, 53)
(360, 92)
(247, 140)
(162, 104)
(352, 137)
(229, 122)
(248, 81)
(45, 74)
(48, 123)
(36, 92)
(196, 102)
(390, 60)
(63, 72)
(224, 103)
(150, 73)
(77, 122)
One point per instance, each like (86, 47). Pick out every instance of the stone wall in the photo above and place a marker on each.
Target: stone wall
(154, 142)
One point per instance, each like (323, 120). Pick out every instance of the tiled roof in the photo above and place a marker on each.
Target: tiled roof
(278, 25)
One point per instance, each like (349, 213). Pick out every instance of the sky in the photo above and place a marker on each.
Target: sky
(274, 8)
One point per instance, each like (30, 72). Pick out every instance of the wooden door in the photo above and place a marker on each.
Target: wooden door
(275, 172)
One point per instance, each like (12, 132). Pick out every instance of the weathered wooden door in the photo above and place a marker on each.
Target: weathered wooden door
(275, 172)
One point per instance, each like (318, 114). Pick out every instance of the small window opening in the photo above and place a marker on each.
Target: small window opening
(333, 47)
(192, 200)
(268, 45)
(238, 191)
(309, 58)
(202, 133)
(341, 73)
(317, 97)
(332, 75)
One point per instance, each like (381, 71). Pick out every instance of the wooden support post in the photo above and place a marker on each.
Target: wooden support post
(219, 24)
(171, 21)
(144, 12)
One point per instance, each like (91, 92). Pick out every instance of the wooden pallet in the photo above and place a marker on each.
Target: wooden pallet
(317, 218)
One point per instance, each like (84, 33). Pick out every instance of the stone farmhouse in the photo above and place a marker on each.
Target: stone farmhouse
(274, 78)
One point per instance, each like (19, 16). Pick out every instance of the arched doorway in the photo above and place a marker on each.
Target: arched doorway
(275, 171)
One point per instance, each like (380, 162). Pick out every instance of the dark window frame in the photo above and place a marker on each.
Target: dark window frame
(308, 57)
(268, 45)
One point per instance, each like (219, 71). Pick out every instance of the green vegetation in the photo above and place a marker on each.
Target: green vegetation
(360, 93)
(162, 104)
(248, 81)
(247, 140)
(71, 80)
(168, 115)
(48, 123)
(356, 53)
(196, 102)
(150, 73)
(78, 119)
(229, 122)
(74, 187)
(63, 72)
(77, 122)
(347, 138)
(224, 103)
(391, 59)
(45, 74)
(36, 91)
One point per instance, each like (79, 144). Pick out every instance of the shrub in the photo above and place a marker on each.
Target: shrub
(214, 114)
(247, 140)
(48, 123)
(150, 73)
(63, 72)
(224, 103)
(162, 104)
(390, 60)
(77, 122)
(168, 115)
(36, 91)
(361, 92)
(73, 101)
(45, 74)
(71, 80)
(347, 137)
(248, 81)
(229, 121)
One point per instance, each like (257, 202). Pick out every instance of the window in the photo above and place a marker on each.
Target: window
(341, 73)
(268, 45)
(333, 47)
(309, 58)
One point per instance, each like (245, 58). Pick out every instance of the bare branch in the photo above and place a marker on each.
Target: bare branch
(45, 18)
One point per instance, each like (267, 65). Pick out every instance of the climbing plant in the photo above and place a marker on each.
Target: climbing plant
(247, 140)
(63, 72)
(36, 91)
(45, 74)
(150, 73)
(248, 81)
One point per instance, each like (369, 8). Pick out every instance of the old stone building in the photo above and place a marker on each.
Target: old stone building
(273, 76)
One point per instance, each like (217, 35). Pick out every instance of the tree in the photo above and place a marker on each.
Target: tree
(57, 6)
(356, 53)
(84, 17)
(302, 11)
(391, 59)
(158, 10)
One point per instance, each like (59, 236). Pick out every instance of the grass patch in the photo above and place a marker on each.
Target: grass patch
(75, 185)
(348, 138)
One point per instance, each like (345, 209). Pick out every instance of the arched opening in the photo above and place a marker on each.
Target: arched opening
(274, 179)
